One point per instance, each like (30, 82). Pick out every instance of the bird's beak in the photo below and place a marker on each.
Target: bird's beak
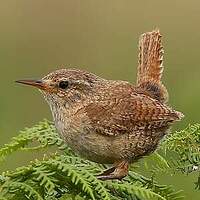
(36, 83)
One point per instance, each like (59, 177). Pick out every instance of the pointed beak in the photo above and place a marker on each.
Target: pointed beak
(35, 83)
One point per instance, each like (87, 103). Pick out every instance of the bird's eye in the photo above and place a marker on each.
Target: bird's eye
(63, 85)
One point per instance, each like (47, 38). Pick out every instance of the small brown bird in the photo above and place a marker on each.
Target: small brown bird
(111, 121)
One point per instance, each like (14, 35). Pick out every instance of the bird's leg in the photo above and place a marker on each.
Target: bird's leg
(107, 172)
(119, 171)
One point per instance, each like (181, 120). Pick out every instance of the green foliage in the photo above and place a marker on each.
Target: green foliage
(186, 145)
(64, 175)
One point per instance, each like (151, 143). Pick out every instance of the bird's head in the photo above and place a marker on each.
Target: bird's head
(65, 85)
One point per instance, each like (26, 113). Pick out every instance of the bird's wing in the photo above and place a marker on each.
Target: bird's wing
(150, 57)
(119, 116)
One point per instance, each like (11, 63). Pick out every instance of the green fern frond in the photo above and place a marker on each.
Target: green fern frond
(65, 175)
(74, 173)
(135, 189)
(102, 191)
(185, 145)
(26, 189)
(156, 163)
(45, 178)
(88, 170)
(44, 133)
(165, 191)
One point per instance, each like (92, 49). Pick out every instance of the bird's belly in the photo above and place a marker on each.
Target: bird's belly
(93, 147)
(109, 149)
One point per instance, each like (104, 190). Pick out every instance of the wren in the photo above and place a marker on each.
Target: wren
(112, 121)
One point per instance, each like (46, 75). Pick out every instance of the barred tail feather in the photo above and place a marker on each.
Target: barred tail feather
(150, 57)
(150, 66)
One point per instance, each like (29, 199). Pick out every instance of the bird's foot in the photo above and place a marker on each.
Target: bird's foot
(117, 172)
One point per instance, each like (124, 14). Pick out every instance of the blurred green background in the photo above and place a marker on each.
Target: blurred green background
(37, 37)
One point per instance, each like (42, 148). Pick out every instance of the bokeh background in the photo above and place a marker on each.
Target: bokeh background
(37, 37)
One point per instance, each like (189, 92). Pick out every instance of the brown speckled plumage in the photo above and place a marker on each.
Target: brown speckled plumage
(112, 121)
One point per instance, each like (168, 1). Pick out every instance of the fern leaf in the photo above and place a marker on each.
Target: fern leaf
(45, 178)
(136, 189)
(44, 133)
(165, 191)
(74, 173)
(15, 186)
